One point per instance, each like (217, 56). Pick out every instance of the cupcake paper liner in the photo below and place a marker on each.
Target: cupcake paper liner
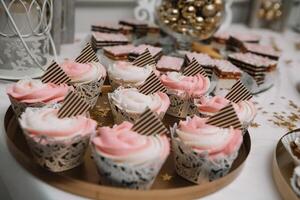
(198, 167)
(286, 141)
(117, 83)
(294, 180)
(180, 107)
(57, 155)
(90, 91)
(20, 107)
(139, 177)
(121, 115)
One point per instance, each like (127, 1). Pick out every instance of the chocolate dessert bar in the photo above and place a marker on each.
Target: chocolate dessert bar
(119, 52)
(106, 27)
(222, 37)
(156, 52)
(169, 63)
(100, 40)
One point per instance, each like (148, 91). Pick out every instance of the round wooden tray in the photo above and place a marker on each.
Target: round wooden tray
(283, 167)
(84, 180)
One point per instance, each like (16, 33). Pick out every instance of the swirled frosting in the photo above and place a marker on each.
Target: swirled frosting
(131, 100)
(193, 86)
(83, 72)
(211, 105)
(34, 91)
(45, 122)
(201, 137)
(245, 110)
(123, 145)
(128, 73)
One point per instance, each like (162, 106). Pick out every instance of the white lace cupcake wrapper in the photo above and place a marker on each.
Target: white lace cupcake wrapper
(19, 107)
(90, 91)
(126, 176)
(295, 186)
(117, 83)
(58, 155)
(180, 107)
(195, 167)
(121, 115)
(286, 141)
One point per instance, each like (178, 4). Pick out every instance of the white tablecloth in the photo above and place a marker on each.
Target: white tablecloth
(255, 181)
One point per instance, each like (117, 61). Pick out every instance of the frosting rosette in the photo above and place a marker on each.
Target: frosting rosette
(125, 74)
(208, 106)
(190, 86)
(132, 101)
(40, 122)
(32, 91)
(246, 111)
(123, 145)
(201, 137)
(82, 73)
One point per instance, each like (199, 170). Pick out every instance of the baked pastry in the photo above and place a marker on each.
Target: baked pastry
(203, 152)
(125, 158)
(169, 63)
(106, 27)
(125, 74)
(262, 50)
(88, 78)
(256, 66)
(100, 40)
(156, 52)
(223, 36)
(128, 104)
(57, 144)
(182, 90)
(138, 27)
(119, 52)
(33, 93)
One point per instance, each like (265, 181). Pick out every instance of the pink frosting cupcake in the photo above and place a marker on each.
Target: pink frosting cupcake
(127, 159)
(204, 152)
(34, 93)
(60, 147)
(245, 110)
(182, 90)
(87, 77)
(128, 104)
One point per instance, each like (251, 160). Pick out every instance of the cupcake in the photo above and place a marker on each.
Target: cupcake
(33, 93)
(127, 75)
(203, 152)
(245, 110)
(291, 142)
(128, 104)
(125, 158)
(87, 78)
(295, 181)
(60, 147)
(182, 90)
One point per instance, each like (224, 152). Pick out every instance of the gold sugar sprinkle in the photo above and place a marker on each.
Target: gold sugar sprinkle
(166, 177)
(255, 125)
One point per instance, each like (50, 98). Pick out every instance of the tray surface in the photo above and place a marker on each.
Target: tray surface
(85, 181)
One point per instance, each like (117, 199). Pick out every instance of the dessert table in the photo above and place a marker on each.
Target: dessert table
(255, 181)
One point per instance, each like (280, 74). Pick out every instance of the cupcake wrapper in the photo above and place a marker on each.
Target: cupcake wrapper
(295, 188)
(195, 167)
(90, 91)
(117, 83)
(121, 175)
(121, 115)
(20, 107)
(180, 107)
(286, 141)
(58, 156)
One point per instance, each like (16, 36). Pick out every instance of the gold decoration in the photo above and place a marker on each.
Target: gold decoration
(166, 177)
(270, 10)
(196, 18)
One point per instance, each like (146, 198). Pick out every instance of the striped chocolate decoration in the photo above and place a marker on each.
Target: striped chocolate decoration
(144, 59)
(55, 74)
(225, 118)
(149, 124)
(193, 69)
(87, 55)
(238, 93)
(73, 105)
(152, 85)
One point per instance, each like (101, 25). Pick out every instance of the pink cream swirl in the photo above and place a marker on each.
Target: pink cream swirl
(121, 144)
(84, 73)
(201, 137)
(192, 86)
(34, 91)
(212, 105)
(45, 122)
